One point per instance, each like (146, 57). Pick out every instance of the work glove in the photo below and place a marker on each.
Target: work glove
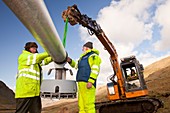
(69, 60)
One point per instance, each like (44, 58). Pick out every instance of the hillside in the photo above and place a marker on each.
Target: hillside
(7, 101)
(157, 79)
(165, 62)
(159, 86)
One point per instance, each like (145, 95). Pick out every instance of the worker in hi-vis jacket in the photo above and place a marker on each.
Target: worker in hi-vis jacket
(29, 78)
(88, 69)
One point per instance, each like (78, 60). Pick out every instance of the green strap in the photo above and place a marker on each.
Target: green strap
(65, 33)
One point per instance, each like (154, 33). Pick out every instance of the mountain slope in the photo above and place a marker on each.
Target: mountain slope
(7, 100)
(165, 62)
(159, 86)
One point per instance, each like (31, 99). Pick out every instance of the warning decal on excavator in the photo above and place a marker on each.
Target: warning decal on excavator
(111, 88)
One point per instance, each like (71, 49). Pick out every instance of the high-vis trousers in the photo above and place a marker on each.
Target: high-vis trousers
(86, 98)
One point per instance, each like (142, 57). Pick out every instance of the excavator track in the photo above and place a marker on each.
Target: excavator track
(137, 105)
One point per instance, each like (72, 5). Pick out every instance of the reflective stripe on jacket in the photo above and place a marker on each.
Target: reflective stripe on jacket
(29, 73)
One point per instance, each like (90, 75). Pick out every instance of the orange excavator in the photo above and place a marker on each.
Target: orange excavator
(127, 90)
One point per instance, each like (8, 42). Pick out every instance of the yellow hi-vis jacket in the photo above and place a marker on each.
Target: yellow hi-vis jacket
(29, 73)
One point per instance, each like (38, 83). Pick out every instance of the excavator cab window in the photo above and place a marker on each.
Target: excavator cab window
(131, 78)
(131, 74)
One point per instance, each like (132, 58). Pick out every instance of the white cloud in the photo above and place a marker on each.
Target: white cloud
(125, 22)
(162, 18)
(148, 58)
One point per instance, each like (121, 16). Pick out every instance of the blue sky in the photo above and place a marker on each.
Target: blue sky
(135, 28)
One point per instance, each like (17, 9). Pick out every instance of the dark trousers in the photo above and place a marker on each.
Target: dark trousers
(30, 104)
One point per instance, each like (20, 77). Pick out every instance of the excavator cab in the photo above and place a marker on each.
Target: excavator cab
(133, 79)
